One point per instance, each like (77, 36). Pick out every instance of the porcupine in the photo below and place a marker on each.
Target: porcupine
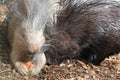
(26, 33)
(88, 30)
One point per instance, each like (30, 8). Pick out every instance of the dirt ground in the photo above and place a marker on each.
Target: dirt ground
(68, 70)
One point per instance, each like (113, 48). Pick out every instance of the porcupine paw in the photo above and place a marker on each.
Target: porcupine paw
(35, 69)
(21, 68)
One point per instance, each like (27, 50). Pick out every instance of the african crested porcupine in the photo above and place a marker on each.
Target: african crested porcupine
(26, 33)
(82, 29)
(88, 30)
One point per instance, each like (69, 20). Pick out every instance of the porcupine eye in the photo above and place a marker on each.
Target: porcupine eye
(23, 35)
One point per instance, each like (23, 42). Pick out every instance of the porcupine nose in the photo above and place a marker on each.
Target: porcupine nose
(32, 48)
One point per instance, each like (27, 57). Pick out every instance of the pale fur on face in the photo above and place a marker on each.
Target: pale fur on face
(33, 16)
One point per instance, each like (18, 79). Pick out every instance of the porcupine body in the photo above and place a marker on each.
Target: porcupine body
(88, 30)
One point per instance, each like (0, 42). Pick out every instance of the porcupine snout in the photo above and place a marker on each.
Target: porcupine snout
(33, 48)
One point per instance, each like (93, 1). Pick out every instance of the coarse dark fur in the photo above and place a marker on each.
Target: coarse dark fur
(86, 30)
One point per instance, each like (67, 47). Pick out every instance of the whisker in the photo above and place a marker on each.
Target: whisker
(48, 41)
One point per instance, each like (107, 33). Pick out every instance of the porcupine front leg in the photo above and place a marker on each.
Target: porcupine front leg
(38, 62)
(18, 60)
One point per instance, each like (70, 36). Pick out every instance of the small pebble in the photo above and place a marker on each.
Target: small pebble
(9, 66)
(117, 67)
(70, 65)
(62, 64)
(112, 75)
(26, 78)
(118, 56)
(86, 76)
